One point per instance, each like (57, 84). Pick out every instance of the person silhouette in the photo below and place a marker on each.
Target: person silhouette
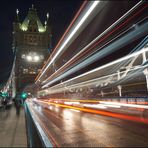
(17, 106)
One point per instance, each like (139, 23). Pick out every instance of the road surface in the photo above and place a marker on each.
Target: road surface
(69, 127)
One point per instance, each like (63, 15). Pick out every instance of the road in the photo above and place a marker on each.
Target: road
(69, 127)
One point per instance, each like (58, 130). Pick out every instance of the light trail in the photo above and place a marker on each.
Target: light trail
(126, 105)
(75, 17)
(94, 82)
(75, 57)
(102, 67)
(101, 54)
(92, 43)
(80, 23)
(100, 102)
(100, 112)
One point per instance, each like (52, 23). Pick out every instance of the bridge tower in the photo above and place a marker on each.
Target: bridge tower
(31, 46)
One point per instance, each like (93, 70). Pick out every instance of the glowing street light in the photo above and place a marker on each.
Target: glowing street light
(33, 58)
(36, 58)
(29, 58)
(24, 95)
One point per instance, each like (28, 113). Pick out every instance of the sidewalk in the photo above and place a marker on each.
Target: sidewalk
(12, 128)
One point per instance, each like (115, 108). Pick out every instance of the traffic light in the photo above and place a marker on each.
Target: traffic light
(24, 95)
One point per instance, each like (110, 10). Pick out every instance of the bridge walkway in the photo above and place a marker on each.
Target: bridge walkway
(12, 127)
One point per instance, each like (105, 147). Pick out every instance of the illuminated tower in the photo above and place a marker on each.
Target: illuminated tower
(32, 45)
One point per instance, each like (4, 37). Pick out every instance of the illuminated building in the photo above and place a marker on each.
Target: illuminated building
(32, 46)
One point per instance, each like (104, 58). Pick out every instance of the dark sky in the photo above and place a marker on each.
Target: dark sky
(61, 12)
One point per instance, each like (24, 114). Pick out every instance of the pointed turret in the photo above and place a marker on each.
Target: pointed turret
(32, 21)
(46, 21)
(48, 29)
(16, 23)
(47, 15)
(31, 43)
(17, 16)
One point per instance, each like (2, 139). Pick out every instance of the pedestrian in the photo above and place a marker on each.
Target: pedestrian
(4, 102)
(17, 106)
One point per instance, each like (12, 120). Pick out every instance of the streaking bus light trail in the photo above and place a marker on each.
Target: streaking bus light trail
(80, 23)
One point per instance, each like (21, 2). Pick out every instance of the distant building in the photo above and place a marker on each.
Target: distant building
(31, 44)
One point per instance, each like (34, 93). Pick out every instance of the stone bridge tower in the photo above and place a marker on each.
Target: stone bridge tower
(32, 45)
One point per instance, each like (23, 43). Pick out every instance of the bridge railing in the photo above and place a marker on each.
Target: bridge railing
(36, 136)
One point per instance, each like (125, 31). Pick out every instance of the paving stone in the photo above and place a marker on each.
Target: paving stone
(12, 128)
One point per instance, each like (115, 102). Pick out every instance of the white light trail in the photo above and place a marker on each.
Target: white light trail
(106, 65)
(71, 103)
(95, 106)
(124, 104)
(92, 7)
(74, 110)
(111, 63)
(101, 35)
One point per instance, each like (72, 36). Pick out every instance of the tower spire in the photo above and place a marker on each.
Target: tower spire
(17, 11)
(47, 15)
(17, 15)
(32, 6)
(47, 18)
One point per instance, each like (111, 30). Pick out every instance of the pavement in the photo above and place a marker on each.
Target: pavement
(12, 127)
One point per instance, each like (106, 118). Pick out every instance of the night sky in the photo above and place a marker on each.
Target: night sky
(61, 12)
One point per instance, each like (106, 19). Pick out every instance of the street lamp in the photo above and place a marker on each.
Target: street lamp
(29, 58)
(36, 58)
(32, 57)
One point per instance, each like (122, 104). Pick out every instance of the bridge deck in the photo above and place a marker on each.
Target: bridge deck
(12, 128)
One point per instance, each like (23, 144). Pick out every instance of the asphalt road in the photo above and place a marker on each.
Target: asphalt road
(73, 128)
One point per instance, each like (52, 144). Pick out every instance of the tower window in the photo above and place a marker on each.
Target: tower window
(25, 71)
(23, 56)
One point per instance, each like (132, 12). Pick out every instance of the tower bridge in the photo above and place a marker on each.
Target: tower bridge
(31, 44)
(94, 83)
